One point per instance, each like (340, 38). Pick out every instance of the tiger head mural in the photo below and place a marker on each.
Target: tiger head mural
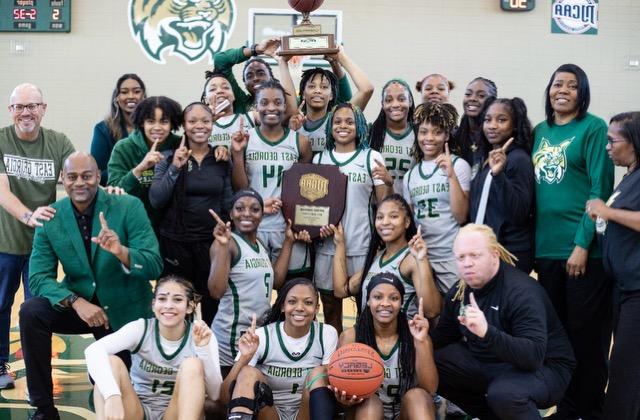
(191, 29)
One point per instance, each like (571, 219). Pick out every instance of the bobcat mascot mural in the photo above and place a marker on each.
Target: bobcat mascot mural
(191, 29)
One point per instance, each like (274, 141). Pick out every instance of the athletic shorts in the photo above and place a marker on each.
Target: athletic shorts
(286, 412)
(323, 271)
(153, 411)
(446, 274)
(300, 260)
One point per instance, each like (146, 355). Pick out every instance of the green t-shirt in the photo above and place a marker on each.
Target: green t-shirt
(33, 169)
(571, 166)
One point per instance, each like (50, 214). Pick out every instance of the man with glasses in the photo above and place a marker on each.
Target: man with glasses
(30, 165)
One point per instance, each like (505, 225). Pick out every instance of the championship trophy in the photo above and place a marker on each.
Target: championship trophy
(307, 38)
(313, 196)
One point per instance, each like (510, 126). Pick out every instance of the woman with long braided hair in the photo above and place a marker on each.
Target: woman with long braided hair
(410, 379)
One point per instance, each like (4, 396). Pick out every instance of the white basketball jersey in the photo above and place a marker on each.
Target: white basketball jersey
(248, 292)
(265, 162)
(426, 188)
(396, 152)
(316, 131)
(226, 127)
(356, 219)
(153, 372)
(392, 265)
(390, 389)
(286, 369)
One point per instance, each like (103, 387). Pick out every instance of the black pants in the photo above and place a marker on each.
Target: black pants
(623, 394)
(38, 321)
(525, 260)
(584, 307)
(496, 390)
(191, 261)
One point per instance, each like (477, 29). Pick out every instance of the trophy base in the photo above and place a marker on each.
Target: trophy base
(308, 45)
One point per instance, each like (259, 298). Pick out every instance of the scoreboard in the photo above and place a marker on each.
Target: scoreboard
(35, 15)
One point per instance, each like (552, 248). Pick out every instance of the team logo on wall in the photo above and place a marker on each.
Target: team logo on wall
(190, 29)
(574, 17)
(550, 162)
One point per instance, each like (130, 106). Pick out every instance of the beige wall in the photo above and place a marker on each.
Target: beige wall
(388, 38)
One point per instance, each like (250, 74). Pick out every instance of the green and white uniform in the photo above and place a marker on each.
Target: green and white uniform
(396, 152)
(392, 265)
(265, 162)
(226, 127)
(389, 392)
(356, 219)
(248, 292)
(285, 361)
(316, 131)
(426, 188)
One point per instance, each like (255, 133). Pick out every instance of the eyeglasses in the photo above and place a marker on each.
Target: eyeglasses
(612, 141)
(19, 107)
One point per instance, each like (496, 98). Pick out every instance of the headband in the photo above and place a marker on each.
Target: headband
(385, 278)
(247, 192)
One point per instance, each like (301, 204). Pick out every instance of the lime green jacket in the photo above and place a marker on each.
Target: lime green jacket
(124, 294)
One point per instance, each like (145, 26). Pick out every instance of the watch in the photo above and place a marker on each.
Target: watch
(70, 300)
(254, 50)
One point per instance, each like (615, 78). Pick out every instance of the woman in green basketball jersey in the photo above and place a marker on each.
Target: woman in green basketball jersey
(411, 378)
(396, 247)
(392, 132)
(280, 370)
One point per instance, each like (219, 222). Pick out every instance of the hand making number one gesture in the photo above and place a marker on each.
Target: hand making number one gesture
(498, 157)
(419, 325)
(444, 161)
(249, 341)
(107, 238)
(182, 154)
(473, 318)
(222, 230)
(297, 120)
(240, 138)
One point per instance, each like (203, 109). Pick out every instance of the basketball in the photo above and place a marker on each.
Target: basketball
(304, 6)
(356, 369)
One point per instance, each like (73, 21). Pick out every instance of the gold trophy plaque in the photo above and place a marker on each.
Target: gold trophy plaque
(307, 38)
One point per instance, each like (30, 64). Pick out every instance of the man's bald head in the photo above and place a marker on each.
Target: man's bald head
(25, 88)
(27, 108)
(81, 178)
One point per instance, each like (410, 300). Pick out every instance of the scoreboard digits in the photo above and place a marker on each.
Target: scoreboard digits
(35, 15)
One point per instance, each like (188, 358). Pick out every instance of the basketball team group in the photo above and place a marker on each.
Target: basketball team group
(447, 212)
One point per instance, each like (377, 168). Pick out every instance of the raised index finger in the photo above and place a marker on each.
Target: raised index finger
(182, 142)
(241, 124)
(446, 149)
(505, 146)
(472, 300)
(154, 146)
(253, 322)
(420, 308)
(216, 217)
(103, 221)
(302, 104)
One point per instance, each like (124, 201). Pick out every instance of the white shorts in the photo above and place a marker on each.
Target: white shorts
(446, 274)
(152, 411)
(286, 412)
(300, 260)
(323, 271)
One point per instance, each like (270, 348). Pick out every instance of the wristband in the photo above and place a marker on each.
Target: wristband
(254, 50)
(71, 299)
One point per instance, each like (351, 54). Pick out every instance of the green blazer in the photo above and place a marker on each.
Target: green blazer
(125, 295)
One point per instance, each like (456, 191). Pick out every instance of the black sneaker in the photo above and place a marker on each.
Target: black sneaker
(45, 414)
(6, 377)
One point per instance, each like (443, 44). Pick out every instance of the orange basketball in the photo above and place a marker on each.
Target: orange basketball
(304, 6)
(356, 369)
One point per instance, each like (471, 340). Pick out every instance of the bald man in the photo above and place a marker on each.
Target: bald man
(108, 252)
(31, 159)
(501, 351)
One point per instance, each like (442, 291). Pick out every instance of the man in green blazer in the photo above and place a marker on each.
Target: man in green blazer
(108, 252)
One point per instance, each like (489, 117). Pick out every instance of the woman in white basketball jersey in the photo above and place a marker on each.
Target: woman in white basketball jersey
(174, 361)
(260, 156)
(396, 247)
(280, 371)
(367, 176)
(242, 276)
(392, 132)
(437, 188)
(411, 378)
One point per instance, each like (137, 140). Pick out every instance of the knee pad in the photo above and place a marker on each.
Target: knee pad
(263, 397)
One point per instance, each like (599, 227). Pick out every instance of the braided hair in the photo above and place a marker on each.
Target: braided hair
(440, 115)
(461, 140)
(379, 126)
(520, 122)
(361, 126)
(309, 74)
(366, 334)
(275, 313)
(376, 244)
(493, 244)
